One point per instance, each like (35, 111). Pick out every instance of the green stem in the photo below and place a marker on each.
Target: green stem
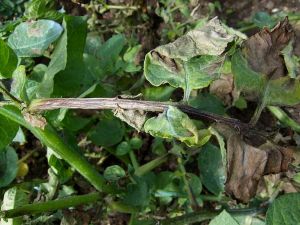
(133, 159)
(246, 28)
(150, 165)
(51, 139)
(51, 205)
(284, 118)
(187, 186)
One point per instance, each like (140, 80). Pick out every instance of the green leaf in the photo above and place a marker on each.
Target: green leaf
(66, 63)
(196, 73)
(280, 91)
(130, 59)
(8, 166)
(296, 178)
(8, 60)
(291, 61)
(13, 198)
(42, 9)
(31, 39)
(162, 93)
(108, 132)
(136, 143)
(110, 52)
(224, 218)
(212, 170)
(114, 173)
(263, 19)
(175, 124)
(285, 210)
(166, 189)
(18, 86)
(209, 103)
(93, 44)
(62, 170)
(137, 194)
(73, 122)
(123, 148)
(190, 62)
(8, 130)
(194, 183)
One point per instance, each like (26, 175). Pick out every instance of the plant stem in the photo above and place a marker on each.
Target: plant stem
(51, 139)
(151, 106)
(284, 118)
(51, 205)
(187, 186)
(133, 160)
(150, 165)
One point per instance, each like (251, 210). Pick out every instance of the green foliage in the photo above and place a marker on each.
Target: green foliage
(8, 130)
(61, 169)
(18, 87)
(138, 193)
(114, 173)
(8, 166)
(31, 39)
(212, 170)
(284, 210)
(263, 19)
(223, 218)
(8, 60)
(11, 8)
(42, 9)
(291, 61)
(123, 148)
(13, 198)
(108, 132)
(66, 61)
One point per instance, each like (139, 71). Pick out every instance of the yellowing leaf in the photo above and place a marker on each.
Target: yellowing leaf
(190, 62)
(175, 124)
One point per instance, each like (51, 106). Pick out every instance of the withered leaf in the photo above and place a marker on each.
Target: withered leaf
(35, 120)
(192, 61)
(245, 168)
(134, 118)
(259, 69)
(263, 50)
(278, 158)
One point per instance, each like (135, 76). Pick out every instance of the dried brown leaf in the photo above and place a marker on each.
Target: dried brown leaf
(263, 50)
(278, 158)
(134, 118)
(246, 165)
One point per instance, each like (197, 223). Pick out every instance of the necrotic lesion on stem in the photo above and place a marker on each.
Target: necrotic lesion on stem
(132, 104)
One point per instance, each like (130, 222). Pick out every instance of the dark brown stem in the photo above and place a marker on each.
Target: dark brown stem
(150, 106)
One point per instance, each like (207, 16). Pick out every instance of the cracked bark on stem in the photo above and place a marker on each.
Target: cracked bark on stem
(130, 104)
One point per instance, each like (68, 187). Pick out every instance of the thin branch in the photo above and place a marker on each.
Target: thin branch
(131, 104)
